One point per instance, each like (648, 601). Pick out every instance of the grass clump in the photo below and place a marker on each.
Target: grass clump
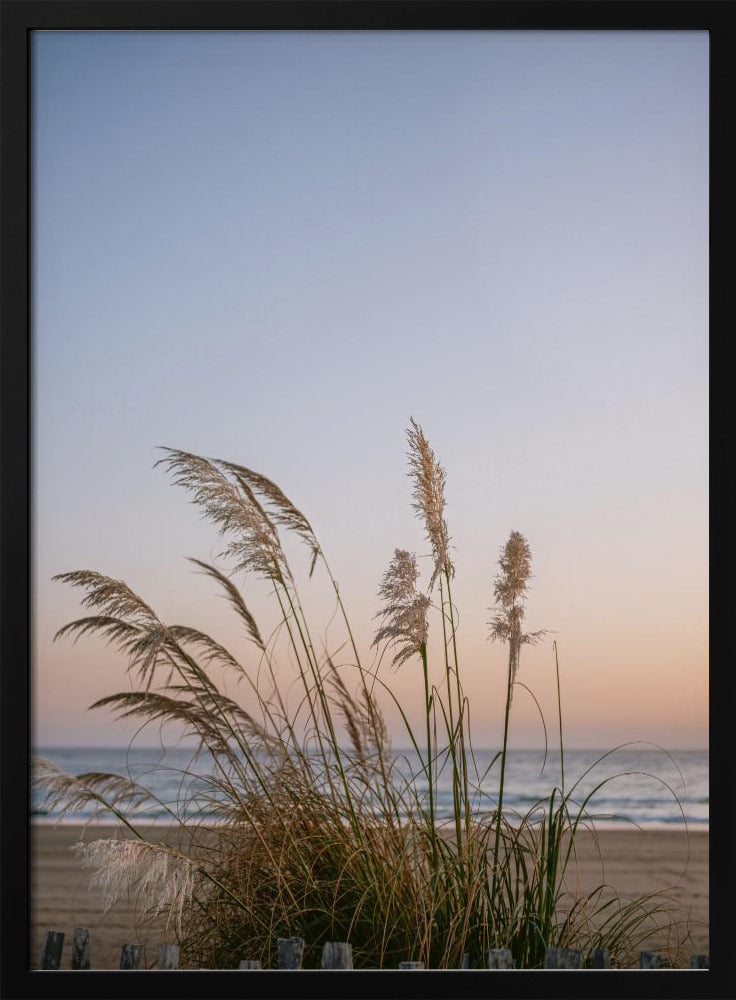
(323, 832)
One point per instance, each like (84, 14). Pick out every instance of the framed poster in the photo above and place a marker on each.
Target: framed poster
(355, 618)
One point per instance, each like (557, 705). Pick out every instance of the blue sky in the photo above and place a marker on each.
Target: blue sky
(275, 247)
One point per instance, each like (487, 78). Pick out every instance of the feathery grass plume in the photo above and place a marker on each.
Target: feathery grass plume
(280, 509)
(165, 879)
(428, 495)
(129, 623)
(152, 705)
(429, 498)
(404, 613)
(113, 597)
(101, 791)
(405, 626)
(376, 732)
(256, 547)
(208, 649)
(125, 619)
(350, 711)
(510, 589)
(363, 718)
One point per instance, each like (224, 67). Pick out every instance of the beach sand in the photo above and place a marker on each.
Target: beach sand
(634, 863)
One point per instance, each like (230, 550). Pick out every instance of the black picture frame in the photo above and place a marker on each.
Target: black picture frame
(19, 19)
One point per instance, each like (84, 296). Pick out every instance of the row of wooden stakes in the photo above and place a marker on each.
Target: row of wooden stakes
(335, 955)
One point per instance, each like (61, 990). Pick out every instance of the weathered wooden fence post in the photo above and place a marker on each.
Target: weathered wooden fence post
(500, 958)
(51, 951)
(168, 957)
(80, 948)
(337, 955)
(289, 952)
(601, 959)
(130, 956)
(651, 960)
(562, 958)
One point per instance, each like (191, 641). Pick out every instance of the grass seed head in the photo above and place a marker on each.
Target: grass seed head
(233, 507)
(404, 612)
(510, 589)
(429, 498)
(164, 879)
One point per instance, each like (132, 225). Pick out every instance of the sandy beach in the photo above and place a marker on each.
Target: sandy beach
(634, 862)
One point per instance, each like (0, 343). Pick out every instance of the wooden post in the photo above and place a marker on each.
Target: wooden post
(289, 952)
(168, 957)
(500, 958)
(130, 956)
(250, 963)
(410, 965)
(563, 958)
(51, 951)
(80, 948)
(700, 962)
(601, 959)
(337, 955)
(651, 960)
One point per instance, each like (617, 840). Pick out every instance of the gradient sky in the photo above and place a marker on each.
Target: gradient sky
(275, 247)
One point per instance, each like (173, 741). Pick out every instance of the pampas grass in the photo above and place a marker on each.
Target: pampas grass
(324, 833)
(162, 876)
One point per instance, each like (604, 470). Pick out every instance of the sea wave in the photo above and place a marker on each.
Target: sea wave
(641, 787)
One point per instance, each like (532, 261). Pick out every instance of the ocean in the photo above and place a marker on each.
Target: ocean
(636, 785)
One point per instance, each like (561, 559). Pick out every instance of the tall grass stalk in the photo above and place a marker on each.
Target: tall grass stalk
(321, 830)
(510, 591)
(559, 719)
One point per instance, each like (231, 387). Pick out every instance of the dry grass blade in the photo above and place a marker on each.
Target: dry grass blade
(235, 599)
